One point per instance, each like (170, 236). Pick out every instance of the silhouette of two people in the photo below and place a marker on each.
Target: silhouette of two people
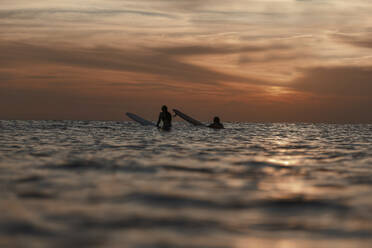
(166, 118)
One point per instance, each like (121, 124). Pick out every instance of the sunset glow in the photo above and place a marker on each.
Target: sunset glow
(267, 60)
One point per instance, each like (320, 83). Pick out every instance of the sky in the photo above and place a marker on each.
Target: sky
(243, 60)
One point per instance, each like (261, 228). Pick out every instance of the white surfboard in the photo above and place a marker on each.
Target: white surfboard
(140, 120)
(188, 118)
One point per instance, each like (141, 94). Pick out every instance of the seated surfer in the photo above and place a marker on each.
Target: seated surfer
(216, 123)
(166, 118)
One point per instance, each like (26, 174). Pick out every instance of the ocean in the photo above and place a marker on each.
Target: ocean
(118, 184)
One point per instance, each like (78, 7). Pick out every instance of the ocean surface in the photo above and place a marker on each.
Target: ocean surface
(118, 184)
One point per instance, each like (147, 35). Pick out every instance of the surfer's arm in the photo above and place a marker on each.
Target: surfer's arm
(157, 124)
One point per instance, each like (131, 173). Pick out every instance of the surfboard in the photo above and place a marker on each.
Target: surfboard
(188, 118)
(140, 120)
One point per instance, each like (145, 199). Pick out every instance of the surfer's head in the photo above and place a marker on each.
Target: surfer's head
(164, 108)
(216, 119)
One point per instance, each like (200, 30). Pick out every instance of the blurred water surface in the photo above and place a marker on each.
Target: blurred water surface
(118, 184)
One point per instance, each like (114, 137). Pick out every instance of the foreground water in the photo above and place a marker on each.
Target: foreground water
(115, 184)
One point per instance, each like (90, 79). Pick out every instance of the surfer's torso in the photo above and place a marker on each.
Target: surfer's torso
(166, 118)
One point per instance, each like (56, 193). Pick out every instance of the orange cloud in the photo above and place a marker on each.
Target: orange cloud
(240, 61)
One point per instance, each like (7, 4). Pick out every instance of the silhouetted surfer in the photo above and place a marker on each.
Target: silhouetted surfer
(216, 123)
(166, 118)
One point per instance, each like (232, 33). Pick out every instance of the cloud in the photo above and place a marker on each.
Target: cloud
(191, 51)
(5, 76)
(38, 13)
(183, 5)
(273, 57)
(158, 62)
(343, 81)
(218, 49)
(360, 40)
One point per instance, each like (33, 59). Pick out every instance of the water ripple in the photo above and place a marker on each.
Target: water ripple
(115, 184)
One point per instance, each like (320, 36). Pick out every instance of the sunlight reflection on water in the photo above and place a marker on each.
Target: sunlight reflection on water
(105, 184)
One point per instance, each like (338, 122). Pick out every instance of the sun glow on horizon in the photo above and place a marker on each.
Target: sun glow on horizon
(240, 57)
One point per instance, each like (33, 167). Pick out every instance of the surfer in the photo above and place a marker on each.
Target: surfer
(216, 123)
(166, 118)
